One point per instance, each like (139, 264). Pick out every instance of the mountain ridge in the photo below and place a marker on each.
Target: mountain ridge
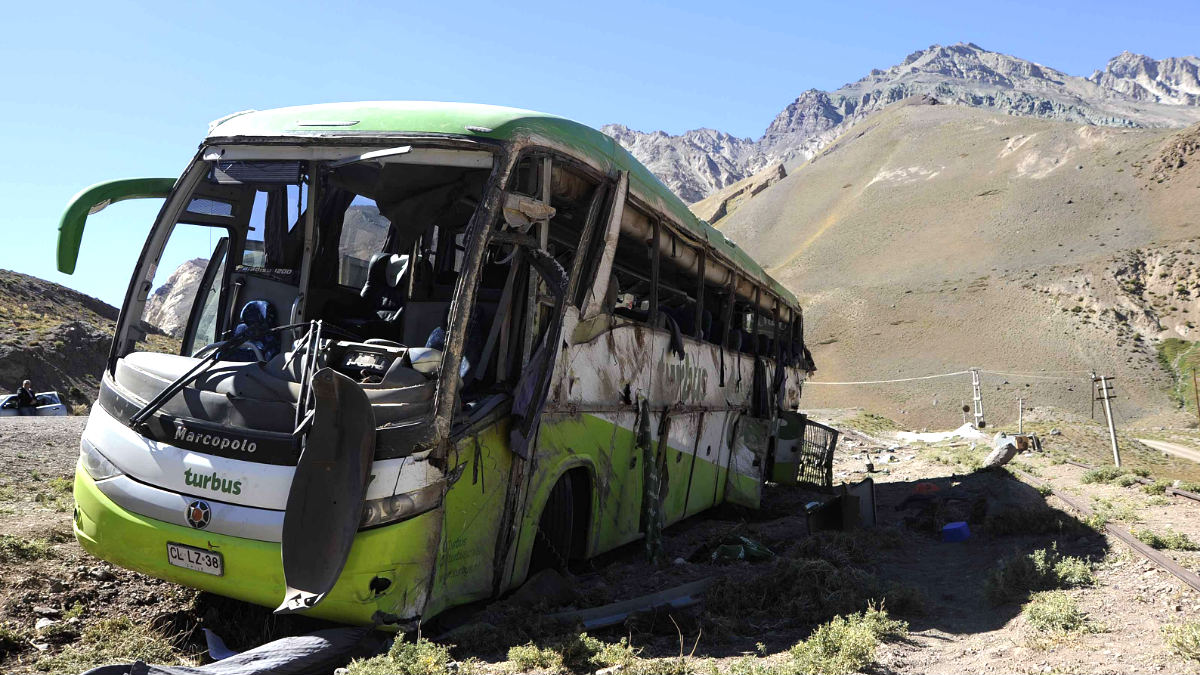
(1132, 91)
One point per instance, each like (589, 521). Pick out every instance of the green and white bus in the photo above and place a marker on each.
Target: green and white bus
(381, 359)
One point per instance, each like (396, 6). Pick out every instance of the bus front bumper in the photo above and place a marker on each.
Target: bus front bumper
(386, 577)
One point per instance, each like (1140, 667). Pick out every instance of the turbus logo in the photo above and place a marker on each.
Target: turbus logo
(692, 379)
(212, 481)
(198, 514)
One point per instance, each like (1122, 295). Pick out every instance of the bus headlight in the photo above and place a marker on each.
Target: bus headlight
(95, 463)
(400, 507)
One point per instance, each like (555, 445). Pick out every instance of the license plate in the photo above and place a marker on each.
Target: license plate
(201, 560)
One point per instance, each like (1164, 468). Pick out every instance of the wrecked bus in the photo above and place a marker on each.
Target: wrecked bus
(381, 359)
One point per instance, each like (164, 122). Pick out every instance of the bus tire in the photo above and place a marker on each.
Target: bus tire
(555, 531)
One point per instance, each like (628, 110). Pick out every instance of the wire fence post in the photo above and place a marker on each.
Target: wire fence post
(1106, 395)
(977, 393)
(1020, 415)
(1196, 394)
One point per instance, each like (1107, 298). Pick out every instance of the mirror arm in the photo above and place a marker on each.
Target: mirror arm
(94, 199)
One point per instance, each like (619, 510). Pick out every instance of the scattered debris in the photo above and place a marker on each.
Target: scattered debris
(955, 532)
(737, 547)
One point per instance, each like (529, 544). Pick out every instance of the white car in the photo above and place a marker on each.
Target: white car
(48, 403)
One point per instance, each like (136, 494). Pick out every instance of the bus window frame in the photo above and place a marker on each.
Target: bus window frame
(142, 278)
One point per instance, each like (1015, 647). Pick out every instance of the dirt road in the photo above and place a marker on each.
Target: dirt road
(1173, 448)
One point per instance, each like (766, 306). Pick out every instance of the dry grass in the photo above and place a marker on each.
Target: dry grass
(13, 548)
(116, 640)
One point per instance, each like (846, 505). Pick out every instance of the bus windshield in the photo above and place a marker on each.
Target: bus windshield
(386, 237)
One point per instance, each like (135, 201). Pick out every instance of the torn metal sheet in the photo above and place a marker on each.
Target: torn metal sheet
(610, 615)
(325, 503)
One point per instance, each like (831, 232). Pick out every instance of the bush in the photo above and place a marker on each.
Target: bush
(1187, 486)
(12, 640)
(1158, 487)
(13, 548)
(1054, 612)
(1173, 541)
(1104, 474)
(574, 653)
(845, 644)
(1018, 576)
(1127, 480)
(421, 657)
(1184, 639)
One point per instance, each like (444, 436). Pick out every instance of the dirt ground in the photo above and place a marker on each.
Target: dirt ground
(939, 588)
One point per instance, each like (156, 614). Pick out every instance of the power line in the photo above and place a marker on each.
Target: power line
(902, 379)
(1036, 377)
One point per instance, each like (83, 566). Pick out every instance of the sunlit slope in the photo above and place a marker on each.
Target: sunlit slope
(932, 237)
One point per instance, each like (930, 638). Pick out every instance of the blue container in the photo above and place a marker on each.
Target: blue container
(952, 532)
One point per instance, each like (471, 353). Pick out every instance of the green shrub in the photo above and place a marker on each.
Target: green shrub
(575, 653)
(1108, 510)
(1054, 612)
(1172, 540)
(1127, 480)
(1104, 474)
(845, 644)
(421, 657)
(1184, 639)
(1158, 487)
(1018, 576)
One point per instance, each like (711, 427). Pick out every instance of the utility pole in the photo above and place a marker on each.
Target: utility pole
(1196, 393)
(1020, 415)
(1105, 395)
(978, 399)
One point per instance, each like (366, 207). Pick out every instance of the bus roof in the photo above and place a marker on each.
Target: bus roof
(370, 118)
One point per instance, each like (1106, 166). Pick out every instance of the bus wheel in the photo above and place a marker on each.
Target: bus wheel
(552, 542)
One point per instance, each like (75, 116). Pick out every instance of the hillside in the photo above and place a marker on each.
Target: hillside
(52, 335)
(1133, 91)
(931, 238)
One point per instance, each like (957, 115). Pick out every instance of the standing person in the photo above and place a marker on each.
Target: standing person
(26, 399)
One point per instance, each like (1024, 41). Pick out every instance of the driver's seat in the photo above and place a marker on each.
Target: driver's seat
(384, 288)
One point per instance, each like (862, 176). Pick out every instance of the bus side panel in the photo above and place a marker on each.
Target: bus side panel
(706, 473)
(605, 441)
(679, 464)
(565, 442)
(474, 508)
(619, 483)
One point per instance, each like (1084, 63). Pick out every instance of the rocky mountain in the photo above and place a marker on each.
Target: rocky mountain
(1133, 91)
(169, 305)
(726, 200)
(694, 164)
(939, 237)
(56, 337)
(1173, 80)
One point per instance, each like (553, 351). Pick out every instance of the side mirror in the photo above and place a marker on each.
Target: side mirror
(94, 199)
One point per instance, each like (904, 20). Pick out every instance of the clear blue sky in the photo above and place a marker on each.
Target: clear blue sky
(99, 90)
